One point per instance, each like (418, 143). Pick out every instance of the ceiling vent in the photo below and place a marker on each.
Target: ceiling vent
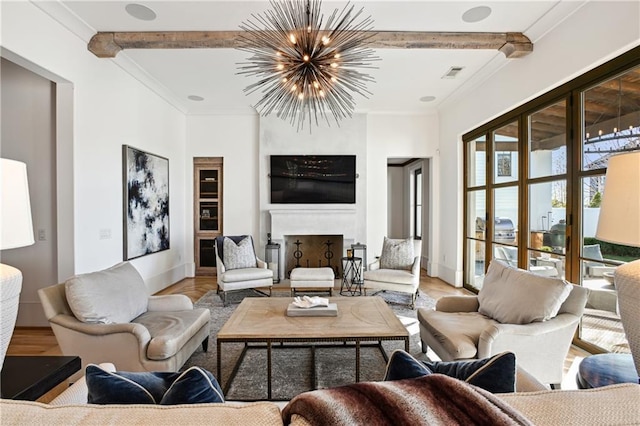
(453, 72)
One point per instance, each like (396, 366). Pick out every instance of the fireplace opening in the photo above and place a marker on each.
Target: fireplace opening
(313, 251)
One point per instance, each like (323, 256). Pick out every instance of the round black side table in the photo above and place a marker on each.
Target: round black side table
(351, 276)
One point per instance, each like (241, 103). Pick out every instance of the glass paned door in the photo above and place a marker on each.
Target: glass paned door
(476, 212)
(548, 141)
(505, 155)
(547, 195)
(505, 193)
(547, 231)
(543, 173)
(601, 324)
(476, 235)
(505, 224)
(477, 162)
(611, 125)
(417, 216)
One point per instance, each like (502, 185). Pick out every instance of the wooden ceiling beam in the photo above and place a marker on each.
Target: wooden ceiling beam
(108, 44)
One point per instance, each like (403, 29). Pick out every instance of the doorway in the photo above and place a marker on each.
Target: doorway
(408, 194)
(37, 129)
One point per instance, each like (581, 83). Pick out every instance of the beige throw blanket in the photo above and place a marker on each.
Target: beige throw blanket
(429, 400)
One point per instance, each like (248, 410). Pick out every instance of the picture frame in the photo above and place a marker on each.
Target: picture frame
(145, 203)
(503, 163)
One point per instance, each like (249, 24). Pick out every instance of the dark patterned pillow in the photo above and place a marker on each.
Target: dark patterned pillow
(238, 256)
(195, 385)
(496, 374)
(397, 254)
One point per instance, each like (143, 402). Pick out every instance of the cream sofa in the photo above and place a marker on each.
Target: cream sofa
(611, 405)
(108, 316)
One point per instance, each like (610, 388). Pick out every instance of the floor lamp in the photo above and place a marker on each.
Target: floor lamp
(16, 230)
(619, 223)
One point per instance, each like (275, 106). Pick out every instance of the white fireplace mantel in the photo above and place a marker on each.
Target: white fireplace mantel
(313, 222)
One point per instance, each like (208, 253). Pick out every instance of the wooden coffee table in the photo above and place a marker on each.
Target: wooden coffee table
(264, 321)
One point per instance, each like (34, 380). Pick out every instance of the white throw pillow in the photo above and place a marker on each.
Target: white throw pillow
(397, 254)
(112, 296)
(238, 256)
(514, 296)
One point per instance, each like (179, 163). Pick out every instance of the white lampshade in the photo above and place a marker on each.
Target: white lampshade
(16, 228)
(619, 220)
(619, 223)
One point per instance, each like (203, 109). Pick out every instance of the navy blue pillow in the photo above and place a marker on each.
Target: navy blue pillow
(402, 365)
(194, 385)
(496, 374)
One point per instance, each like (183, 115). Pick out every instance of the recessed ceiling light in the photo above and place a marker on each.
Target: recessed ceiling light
(476, 14)
(195, 98)
(427, 99)
(139, 11)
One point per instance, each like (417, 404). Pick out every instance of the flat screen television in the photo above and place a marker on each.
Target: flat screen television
(313, 179)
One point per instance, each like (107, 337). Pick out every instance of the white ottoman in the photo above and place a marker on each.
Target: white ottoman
(318, 279)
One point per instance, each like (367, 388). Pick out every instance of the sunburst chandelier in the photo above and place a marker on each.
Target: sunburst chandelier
(304, 70)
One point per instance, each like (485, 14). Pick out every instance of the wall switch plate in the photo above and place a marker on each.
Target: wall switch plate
(42, 235)
(105, 234)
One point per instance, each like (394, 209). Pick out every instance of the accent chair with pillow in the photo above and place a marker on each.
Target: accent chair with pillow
(108, 316)
(239, 268)
(397, 269)
(534, 317)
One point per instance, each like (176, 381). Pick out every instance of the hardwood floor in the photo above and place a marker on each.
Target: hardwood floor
(41, 341)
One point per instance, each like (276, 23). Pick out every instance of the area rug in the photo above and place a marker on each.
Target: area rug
(293, 367)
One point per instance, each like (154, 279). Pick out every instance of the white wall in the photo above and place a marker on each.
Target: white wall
(399, 136)
(246, 142)
(235, 138)
(110, 108)
(396, 202)
(28, 135)
(597, 32)
(279, 137)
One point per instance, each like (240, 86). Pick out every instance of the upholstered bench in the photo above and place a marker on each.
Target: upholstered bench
(319, 279)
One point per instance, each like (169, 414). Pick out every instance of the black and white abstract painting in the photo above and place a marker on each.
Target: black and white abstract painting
(146, 202)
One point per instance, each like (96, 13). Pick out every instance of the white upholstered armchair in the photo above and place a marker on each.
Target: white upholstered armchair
(107, 316)
(397, 269)
(532, 316)
(238, 267)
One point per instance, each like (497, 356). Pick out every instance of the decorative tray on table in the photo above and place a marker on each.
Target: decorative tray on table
(312, 307)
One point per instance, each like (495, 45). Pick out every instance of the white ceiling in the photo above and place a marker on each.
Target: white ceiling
(402, 77)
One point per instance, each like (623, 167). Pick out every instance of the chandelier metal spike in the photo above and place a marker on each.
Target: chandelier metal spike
(305, 71)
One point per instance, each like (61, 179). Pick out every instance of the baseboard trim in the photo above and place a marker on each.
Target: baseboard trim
(450, 276)
(167, 278)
